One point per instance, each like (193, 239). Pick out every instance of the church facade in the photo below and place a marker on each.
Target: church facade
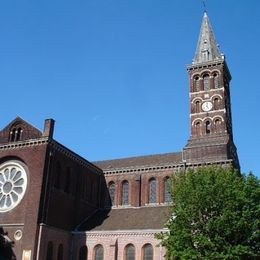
(54, 204)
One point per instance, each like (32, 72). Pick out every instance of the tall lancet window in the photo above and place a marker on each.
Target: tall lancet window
(111, 189)
(99, 252)
(196, 83)
(167, 185)
(129, 252)
(152, 190)
(198, 128)
(206, 82)
(197, 106)
(216, 80)
(207, 124)
(147, 252)
(125, 193)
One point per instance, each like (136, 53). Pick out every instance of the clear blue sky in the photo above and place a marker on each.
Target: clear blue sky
(112, 73)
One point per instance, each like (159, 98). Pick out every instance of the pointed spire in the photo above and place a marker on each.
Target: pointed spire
(207, 47)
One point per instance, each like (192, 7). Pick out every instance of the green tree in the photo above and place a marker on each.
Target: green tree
(215, 214)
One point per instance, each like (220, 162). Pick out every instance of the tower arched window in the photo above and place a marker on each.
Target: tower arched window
(125, 193)
(198, 128)
(206, 82)
(166, 189)
(147, 252)
(216, 103)
(99, 252)
(216, 80)
(112, 189)
(217, 123)
(49, 251)
(152, 190)
(15, 134)
(12, 135)
(196, 83)
(207, 125)
(60, 252)
(57, 175)
(197, 106)
(130, 252)
(83, 253)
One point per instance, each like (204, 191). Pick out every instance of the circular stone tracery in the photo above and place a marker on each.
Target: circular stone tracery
(13, 182)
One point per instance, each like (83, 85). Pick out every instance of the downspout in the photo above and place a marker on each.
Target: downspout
(42, 218)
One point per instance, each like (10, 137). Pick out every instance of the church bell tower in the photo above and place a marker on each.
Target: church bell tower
(211, 137)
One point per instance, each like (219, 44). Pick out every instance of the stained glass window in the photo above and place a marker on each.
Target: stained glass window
(147, 252)
(125, 193)
(130, 252)
(152, 191)
(111, 189)
(99, 252)
(167, 195)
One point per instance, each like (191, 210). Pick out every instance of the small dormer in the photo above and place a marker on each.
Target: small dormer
(20, 130)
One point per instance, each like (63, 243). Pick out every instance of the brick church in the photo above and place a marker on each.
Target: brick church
(54, 204)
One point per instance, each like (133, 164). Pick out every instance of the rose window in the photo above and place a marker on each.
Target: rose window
(13, 182)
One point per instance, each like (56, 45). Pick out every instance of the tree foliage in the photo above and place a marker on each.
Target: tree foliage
(215, 214)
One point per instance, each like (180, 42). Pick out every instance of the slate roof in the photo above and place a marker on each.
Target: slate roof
(127, 219)
(207, 47)
(140, 161)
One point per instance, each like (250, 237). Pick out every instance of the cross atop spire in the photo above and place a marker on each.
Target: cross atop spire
(207, 47)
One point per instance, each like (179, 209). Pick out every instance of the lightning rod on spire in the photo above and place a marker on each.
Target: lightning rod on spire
(204, 6)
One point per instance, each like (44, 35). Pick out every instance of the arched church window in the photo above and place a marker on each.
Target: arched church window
(217, 125)
(216, 103)
(15, 134)
(125, 193)
(206, 82)
(12, 135)
(60, 252)
(83, 253)
(99, 252)
(152, 190)
(147, 252)
(198, 128)
(207, 124)
(166, 189)
(112, 189)
(216, 80)
(197, 106)
(130, 252)
(18, 134)
(196, 83)
(49, 251)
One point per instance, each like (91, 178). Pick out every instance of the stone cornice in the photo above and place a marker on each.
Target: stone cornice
(122, 233)
(55, 145)
(22, 144)
(209, 163)
(72, 155)
(205, 64)
(143, 169)
(177, 166)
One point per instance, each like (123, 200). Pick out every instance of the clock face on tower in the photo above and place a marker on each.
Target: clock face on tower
(13, 183)
(207, 106)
